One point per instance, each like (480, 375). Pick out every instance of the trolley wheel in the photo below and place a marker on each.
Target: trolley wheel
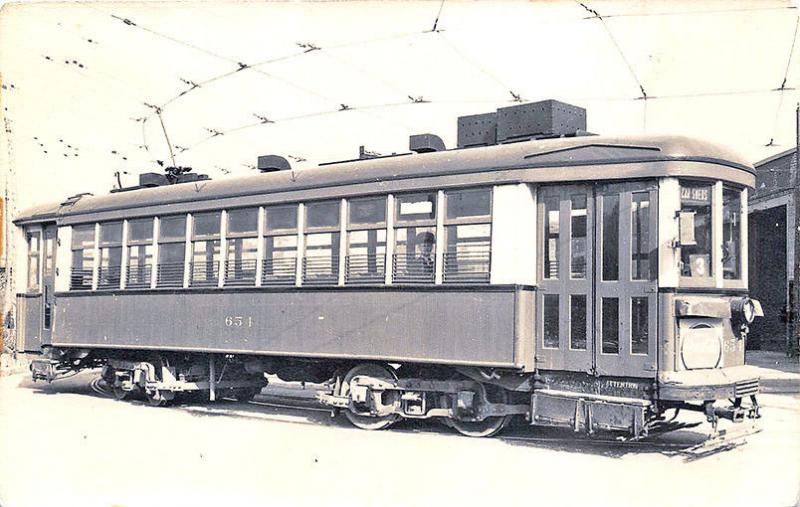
(490, 426)
(156, 398)
(361, 419)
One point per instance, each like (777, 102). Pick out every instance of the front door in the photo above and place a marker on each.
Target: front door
(597, 297)
(626, 287)
(49, 239)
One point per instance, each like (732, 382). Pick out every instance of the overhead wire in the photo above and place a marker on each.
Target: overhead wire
(782, 88)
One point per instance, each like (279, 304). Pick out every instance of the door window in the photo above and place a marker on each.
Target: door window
(34, 247)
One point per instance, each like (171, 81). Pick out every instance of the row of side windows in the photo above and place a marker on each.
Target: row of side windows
(317, 243)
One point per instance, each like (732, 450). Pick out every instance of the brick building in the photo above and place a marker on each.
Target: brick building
(771, 238)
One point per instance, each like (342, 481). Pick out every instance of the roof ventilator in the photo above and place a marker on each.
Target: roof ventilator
(272, 163)
(425, 143)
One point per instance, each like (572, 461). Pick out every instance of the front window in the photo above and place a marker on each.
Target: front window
(696, 260)
(731, 233)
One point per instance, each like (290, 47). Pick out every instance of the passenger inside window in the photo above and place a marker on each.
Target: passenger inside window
(426, 261)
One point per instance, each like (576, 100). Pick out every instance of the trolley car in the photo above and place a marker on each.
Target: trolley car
(534, 271)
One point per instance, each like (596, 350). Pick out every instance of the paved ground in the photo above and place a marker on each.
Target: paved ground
(69, 444)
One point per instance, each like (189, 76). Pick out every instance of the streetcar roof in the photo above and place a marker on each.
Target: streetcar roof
(535, 160)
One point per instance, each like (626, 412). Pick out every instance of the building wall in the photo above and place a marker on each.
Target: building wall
(772, 214)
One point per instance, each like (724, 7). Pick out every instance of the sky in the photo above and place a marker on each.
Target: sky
(313, 81)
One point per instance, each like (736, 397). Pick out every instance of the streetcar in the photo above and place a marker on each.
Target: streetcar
(535, 272)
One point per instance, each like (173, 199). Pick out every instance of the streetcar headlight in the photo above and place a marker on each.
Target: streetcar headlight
(743, 310)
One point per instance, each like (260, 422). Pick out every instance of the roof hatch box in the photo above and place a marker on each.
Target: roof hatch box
(537, 120)
(272, 163)
(152, 180)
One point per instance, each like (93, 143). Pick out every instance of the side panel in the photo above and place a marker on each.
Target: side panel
(29, 319)
(458, 326)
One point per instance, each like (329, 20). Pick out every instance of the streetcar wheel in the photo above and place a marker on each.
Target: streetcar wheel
(119, 393)
(362, 418)
(156, 398)
(490, 426)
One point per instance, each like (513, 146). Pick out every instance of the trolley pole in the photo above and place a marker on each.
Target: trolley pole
(793, 347)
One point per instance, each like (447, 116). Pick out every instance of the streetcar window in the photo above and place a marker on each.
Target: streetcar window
(241, 238)
(140, 253)
(416, 207)
(279, 266)
(366, 241)
(49, 251)
(468, 233)
(731, 233)
(578, 236)
(110, 269)
(82, 257)
(610, 325)
(469, 203)
(696, 259)
(610, 237)
(282, 218)
(171, 251)
(204, 267)
(551, 233)
(34, 245)
(551, 321)
(640, 236)
(577, 330)
(639, 325)
(414, 259)
(321, 260)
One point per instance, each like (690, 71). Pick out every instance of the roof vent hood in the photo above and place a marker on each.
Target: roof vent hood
(272, 163)
(523, 122)
(425, 143)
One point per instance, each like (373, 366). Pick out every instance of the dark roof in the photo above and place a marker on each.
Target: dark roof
(772, 158)
(561, 152)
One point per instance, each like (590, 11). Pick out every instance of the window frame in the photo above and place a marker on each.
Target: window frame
(741, 282)
(161, 241)
(710, 281)
(133, 243)
(400, 223)
(93, 248)
(368, 278)
(229, 236)
(29, 234)
(194, 238)
(333, 277)
(110, 245)
(486, 219)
